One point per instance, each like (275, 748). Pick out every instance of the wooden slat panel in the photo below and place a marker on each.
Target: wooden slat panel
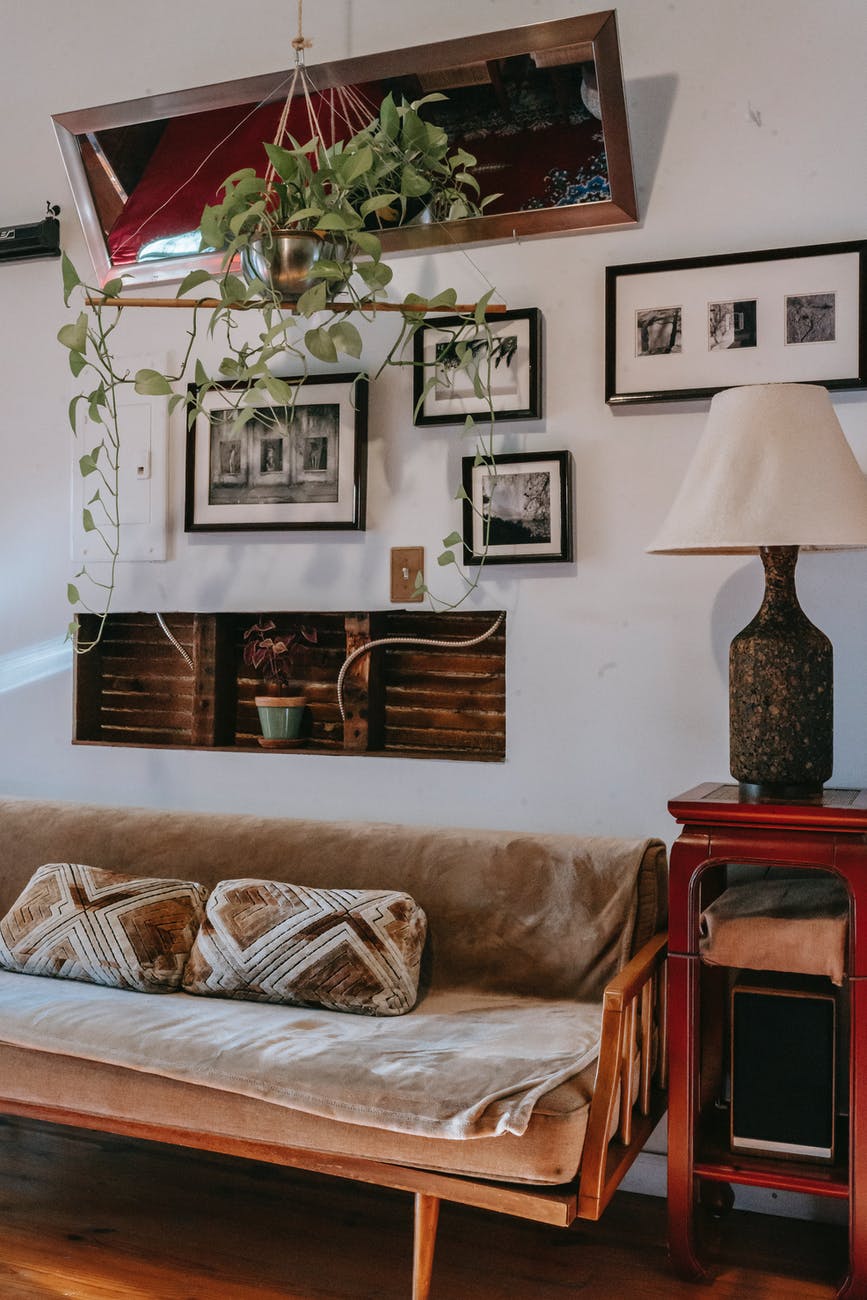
(437, 720)
(437, 700)
(463, 741)
(151, 736)
(177, 719)
(466, 663)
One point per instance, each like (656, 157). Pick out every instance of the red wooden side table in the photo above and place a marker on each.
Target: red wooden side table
(721, 828)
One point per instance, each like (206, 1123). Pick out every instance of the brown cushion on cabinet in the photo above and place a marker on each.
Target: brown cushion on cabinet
(83, 923)
(342, 949)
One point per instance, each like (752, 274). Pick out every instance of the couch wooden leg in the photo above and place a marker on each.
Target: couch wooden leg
(427, 1212)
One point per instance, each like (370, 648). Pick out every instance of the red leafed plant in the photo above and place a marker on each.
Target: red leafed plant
(275, 656)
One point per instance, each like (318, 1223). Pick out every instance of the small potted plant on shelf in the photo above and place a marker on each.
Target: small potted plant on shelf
(282, 702)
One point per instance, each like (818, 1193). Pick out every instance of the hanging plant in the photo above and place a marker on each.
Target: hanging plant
(336, 196)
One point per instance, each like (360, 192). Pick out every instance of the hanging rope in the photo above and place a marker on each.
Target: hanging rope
(299, 43)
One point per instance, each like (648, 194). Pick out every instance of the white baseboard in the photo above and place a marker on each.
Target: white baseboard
(649, 1175)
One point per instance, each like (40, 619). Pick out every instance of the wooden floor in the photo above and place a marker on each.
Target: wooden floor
(96, 1218)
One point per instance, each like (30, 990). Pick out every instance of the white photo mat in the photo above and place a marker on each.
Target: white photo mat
(700, 365)
(328, 494)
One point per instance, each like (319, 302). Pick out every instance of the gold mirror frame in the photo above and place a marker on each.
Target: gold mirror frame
(591, 38)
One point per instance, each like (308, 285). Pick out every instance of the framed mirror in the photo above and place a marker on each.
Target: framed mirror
(541, 108)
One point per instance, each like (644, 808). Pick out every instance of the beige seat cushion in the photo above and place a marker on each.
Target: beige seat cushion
(549, 1152)
(463, 1064)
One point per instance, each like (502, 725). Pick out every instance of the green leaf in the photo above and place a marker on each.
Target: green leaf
(481, 307)
(192, 281)
(70, 277)
(445, 298)
(77, 362)
(333, 221)
(376, 275)
(319, 344)
(469, 424)
(377, 202)
(368, 243)
(346, 338)
(461, 494)
(113, 288)
(479, 459)
(283, 161)
(72, 411)
(447, 557)
(453, 539)
(357, 164)
(74, 335)
(175, 400)
(86, 465)
(388, 117)
(71, 629)
(201, 374)
(87, 521)
(279, 389)
(412, 184)
(72, 595)
(150, 383)
(232, 289)
(312, 300)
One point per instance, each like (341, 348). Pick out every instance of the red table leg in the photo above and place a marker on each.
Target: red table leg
(855, 1286)
(683, 1073)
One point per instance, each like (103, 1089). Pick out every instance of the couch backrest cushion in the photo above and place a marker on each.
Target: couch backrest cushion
(547, 915)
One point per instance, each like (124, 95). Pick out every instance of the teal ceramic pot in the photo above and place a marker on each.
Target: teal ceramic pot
(280, 717)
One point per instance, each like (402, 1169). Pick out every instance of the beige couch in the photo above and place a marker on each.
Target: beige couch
(494, 1091)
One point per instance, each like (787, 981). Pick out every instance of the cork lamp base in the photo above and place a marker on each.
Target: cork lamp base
(781, 697)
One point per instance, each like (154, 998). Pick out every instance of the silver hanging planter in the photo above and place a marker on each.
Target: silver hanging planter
(285, 260)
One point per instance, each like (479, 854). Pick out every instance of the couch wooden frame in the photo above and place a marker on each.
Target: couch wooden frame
(632, 1046)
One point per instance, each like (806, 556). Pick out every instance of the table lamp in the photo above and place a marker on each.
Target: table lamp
(773, 473)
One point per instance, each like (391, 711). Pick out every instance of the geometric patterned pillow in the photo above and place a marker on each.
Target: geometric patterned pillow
(343, 949)
(82, 923)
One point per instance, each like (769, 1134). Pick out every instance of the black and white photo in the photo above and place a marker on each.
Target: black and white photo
(279, 466)
(811, 318)
(731, 324)
(657, 329)
(458, 366)
(518, 508)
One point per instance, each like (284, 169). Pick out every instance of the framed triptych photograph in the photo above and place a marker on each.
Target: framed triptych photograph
(692, 327)
(261, 465)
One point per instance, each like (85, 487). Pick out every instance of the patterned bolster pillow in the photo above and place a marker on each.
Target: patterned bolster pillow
(82, 923)
(342, 949)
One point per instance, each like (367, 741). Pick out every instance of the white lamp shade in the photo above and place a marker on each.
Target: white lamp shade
(772, 468)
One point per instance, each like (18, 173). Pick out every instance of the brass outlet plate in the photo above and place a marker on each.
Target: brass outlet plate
(406, 562)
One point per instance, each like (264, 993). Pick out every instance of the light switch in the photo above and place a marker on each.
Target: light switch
(406, 563)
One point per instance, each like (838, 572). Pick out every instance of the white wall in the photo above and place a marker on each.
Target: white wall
(748, 131)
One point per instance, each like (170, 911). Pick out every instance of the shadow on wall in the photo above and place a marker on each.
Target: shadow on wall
(649, 103)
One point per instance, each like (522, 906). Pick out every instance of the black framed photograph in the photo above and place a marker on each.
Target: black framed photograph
(449, 355)
(262, 465)
(689, 328)
(518, 509)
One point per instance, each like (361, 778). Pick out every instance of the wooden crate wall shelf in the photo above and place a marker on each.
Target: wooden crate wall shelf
(416, 701)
